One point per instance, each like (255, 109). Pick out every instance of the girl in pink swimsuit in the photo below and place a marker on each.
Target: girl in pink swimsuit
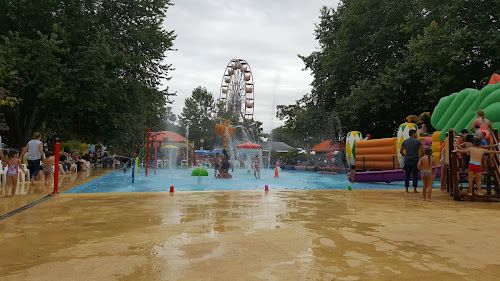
(13, 166)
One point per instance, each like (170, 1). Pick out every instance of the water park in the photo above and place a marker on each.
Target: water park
(387, 168)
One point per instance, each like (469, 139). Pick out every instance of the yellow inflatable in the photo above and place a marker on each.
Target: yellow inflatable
(352, 138)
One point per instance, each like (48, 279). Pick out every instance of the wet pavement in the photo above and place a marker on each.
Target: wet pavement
(252, 235)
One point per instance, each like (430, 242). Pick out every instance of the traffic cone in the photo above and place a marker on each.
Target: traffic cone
(276, 172)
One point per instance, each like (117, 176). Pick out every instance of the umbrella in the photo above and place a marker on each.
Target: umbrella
(203, 152)
(249, 145)
(170, 146)
(199, 172)
(217, 150)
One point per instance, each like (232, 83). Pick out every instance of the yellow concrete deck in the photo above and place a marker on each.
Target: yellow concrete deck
(27, 192)
(251, 235)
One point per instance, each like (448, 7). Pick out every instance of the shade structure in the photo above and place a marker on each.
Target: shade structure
(203, 152)
(199, 172)
(327, 146)
(217, 150)
(249, 145)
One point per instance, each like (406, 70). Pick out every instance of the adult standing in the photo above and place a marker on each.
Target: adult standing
(411, 150)
(35, 155)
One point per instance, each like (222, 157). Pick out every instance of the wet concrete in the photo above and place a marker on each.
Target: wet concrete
(27, 192)
(251, 235)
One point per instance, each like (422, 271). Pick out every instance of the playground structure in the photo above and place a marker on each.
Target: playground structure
(456, 180)
(380, 159)
(225, 130)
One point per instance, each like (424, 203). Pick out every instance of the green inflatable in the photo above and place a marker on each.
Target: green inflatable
(458, 110)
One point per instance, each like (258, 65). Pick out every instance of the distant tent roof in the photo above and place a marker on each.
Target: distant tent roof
(495, 78)
(278, 146)
(326, 146)
(170, 136)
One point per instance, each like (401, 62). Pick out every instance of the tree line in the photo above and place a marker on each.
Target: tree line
(87, 70)
(379, 61)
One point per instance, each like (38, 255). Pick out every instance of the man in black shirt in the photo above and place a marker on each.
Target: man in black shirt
(413, 148)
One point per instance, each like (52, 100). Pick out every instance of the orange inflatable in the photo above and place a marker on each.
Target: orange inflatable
(377, 154)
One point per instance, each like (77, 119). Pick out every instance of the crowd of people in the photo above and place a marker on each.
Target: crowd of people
(474, 151)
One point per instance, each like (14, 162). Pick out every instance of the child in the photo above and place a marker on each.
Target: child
(425, 165)
(48, 161)
(256, 167)
(352, 174)
(13, 166)
(475, 164)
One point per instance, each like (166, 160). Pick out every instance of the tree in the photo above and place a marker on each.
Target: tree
(199, 114)
(380, 61)
(91, 70)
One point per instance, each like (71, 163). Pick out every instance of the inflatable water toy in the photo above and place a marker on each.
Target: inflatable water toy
(376, 154)
(458, 110)
(352, 138)
(386, 176)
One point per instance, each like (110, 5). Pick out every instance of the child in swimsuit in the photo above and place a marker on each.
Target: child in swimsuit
(256, 167)
(48, 161)
(475, 164)
(13, 166)
(425, 165)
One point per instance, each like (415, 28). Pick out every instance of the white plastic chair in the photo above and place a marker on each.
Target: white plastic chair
(116, 163)
(22, 176)
(87, 164)
(3, 173)
(183, 163)
(158, 163)
(165, 163)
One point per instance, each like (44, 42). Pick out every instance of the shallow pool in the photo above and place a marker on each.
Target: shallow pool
(181, 179)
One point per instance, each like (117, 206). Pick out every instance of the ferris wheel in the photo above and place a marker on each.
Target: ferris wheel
(237, 89)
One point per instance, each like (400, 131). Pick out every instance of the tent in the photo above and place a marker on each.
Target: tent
(327, 146)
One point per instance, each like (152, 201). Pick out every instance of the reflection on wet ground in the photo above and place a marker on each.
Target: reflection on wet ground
(27, 192)
(251, 235)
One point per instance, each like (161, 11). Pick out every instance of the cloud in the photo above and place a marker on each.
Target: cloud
(267, 34)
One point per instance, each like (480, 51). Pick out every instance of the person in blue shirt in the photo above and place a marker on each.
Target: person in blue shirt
(411, 149)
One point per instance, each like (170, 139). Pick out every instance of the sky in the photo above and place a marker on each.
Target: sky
(267, 34)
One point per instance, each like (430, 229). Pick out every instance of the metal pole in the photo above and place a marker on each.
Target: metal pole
(187, 147)
(156, 151)
(147, 153)
(56, 169)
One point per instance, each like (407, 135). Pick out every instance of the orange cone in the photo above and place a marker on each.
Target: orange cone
(276, 172)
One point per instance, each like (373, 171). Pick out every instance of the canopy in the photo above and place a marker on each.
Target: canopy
(249, 145)
(217, 150)
(203, 152)
(327, 146)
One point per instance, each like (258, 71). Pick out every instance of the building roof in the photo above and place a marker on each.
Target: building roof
(169, 136)
(276, 145)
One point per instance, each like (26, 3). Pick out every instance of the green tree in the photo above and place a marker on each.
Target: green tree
(199, 114)
(380, 61)
(91, 70)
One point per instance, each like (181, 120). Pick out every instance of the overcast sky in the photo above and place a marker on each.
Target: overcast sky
(267, 34)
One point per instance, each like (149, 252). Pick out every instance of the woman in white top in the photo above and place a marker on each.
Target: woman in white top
(35, 155)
